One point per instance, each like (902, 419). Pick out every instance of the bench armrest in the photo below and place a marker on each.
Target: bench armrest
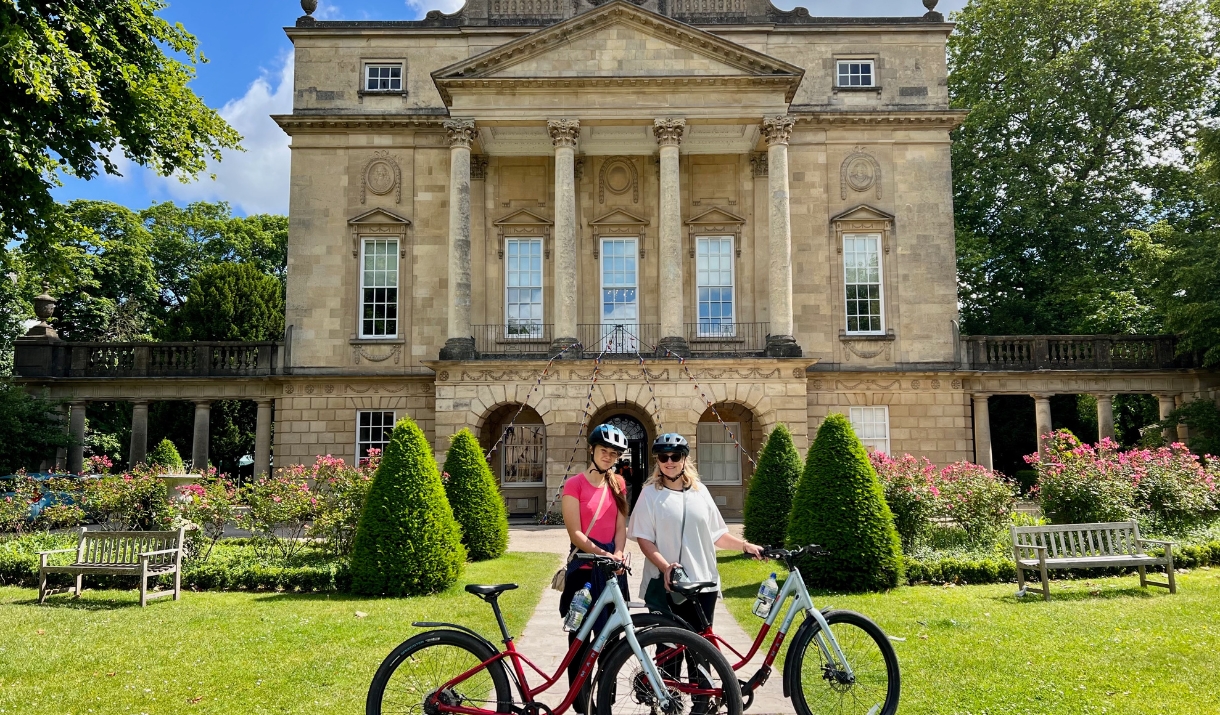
(144, 554)
(1159, 542)
(56, 551)
(1018, 547)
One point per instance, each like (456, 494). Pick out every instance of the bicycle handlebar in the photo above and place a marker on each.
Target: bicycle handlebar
(606, 563)
(787, 555)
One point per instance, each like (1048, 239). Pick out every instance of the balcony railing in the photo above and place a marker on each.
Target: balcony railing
(195, 359)
(1073, 352)
(618, 338)
(712, 339)
(530, 340)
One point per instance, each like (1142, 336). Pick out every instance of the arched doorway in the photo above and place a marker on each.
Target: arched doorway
(519, 462)
(634, 464)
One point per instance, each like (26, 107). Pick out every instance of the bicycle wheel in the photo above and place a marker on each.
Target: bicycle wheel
(822, 687)
(417, 668)
(709, 686)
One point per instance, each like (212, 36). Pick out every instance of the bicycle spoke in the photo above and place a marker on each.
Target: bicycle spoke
(423, 672)
(827, 688)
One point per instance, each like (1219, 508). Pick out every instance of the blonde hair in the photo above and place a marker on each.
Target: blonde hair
(690, 475)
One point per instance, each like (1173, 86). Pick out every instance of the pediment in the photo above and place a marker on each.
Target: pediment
(863, 212)
(522, 217)
(618, 39)
(619, 217)
(715, 216)
(382, 216)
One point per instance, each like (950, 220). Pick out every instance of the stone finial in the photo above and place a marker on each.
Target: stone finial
(461, 132)
(44, 308)
(669, 130)
(564, 132)
(777, 129)
(930, 4)
(310, 5)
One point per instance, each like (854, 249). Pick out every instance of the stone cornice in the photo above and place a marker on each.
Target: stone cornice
(933, 119)
(629, 84)
(293, 123)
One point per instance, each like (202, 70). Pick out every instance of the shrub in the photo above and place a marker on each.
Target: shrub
(1173, 491)
(281, 506)
(407, 542)
(911, 493)
(979, 500)
(769, 499)
(839, 504)
(128, 502)
(1074, 487)
(31, 427)
(341, 491)
(475, 499)
(165, 455)
(210, 506)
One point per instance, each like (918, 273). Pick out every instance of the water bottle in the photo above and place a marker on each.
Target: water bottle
(766, 597)
(578, 609)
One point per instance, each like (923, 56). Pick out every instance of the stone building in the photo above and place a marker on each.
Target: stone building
(703, 216)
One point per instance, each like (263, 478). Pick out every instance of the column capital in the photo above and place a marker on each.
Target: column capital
(980, 395)
(776, 130)
(140, 401)
(669, 130)
(564, 132)
(1041, 395)
(461, 132)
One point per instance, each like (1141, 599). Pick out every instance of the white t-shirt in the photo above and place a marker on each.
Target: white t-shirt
(658, 518)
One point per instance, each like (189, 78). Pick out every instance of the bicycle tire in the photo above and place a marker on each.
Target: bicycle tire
(411, 650)
(854, 632)
(729, 702)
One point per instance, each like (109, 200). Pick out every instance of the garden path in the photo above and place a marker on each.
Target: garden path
(545, 643)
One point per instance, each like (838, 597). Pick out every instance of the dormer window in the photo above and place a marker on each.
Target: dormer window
(383, 77)
(856, 73)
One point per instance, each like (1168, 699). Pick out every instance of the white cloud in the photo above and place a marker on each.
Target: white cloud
(328, 11)
(256, 180)
(445, 6)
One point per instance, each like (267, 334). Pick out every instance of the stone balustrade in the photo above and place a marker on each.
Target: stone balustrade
(146, 359)
(1073, 352)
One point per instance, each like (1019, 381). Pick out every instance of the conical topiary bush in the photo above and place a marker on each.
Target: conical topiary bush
(769, 499)
(475, 499)
(165, 454)
(840, 505)
(407, 541)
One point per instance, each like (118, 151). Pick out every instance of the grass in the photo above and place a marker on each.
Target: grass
(229, 652)
(1100, 645)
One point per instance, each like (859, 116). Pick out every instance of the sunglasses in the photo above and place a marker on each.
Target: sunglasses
(663, 458)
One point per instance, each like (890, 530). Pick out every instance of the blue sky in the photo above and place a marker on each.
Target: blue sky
(249, 76)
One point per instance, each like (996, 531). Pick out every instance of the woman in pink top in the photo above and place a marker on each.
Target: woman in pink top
(595, 514)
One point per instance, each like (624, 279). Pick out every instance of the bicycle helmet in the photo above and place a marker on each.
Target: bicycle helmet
(671, 443)
(608, 436)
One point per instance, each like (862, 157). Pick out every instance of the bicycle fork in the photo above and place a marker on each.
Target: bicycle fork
(621, 617)
(794, 586)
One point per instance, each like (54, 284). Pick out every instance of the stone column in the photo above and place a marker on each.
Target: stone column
(76, 430)
(669, 131)
(982, 431)
(564, 133)
(1042, 417)
(1105, 416)
(61, 454)
(199, 446)
(262, 439)
(780, 342)
(1165, 405)
(1183, 430)
(139, 432)
(460, 343)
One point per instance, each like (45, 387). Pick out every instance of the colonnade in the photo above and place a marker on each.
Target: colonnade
(73, 459)
(668, 132)
(1166, 403)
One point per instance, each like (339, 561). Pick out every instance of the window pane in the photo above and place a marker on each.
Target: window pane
(862, 283)
(714, 280)
(523, 302)
(872, 426)
(379, 288)
(373, 430)
(718, 455)
(857, 73)
(524, 455)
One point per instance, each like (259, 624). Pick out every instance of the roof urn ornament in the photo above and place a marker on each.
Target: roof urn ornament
(930, 4)
(310, 5)
(44, 308)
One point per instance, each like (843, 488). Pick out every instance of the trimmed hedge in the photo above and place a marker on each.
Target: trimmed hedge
(475, 498)
(840, 505)
(769, 499)
(165, 454)
(407, 541)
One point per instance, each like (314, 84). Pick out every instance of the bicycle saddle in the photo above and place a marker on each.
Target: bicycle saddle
(690, 588)
(490, 590)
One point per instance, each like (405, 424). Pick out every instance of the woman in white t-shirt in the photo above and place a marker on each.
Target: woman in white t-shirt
(676, 523)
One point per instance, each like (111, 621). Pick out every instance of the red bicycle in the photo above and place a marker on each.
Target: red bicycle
(453, 669)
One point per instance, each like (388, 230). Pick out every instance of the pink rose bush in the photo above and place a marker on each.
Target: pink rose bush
(968, 496)
(341, 491)
(210, 505)
(1168, 489)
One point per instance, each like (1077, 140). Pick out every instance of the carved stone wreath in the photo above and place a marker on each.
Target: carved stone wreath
(360, 352)
(618, 176)
(381, 175)
(860, 172)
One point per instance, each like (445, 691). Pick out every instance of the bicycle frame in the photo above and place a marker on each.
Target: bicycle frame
(611, 596)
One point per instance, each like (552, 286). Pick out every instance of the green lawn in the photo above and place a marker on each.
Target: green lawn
(1100, 646)
(228, 652)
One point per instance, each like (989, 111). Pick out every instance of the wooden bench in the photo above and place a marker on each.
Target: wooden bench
(120, 553)
(1084, 546)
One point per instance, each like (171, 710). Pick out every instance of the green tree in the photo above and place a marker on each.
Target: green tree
(81, 80)
(230, 301)
(1075, 108)
(840, 505)
(31, 427)
(769, 499)
(165, 454)
(407, 541)
(475, 498)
